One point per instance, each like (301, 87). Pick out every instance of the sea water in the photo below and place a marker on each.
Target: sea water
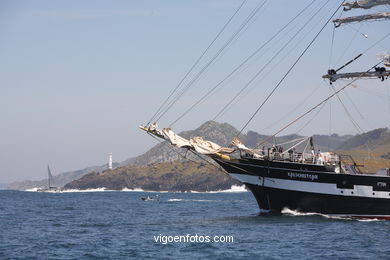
(120, 225)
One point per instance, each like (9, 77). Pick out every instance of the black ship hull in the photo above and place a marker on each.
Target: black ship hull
(313, 188)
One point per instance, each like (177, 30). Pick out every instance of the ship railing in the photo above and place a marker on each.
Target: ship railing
(297, 157)
(349, 165)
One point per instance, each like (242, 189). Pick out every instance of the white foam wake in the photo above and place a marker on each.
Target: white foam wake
(172, 200)
(32, 189)
(133, 190)
(88, 190)
(233, 189)
(289, 212)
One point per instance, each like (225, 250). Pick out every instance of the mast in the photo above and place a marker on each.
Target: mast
(361, 18)
(379, 72)
(364, 4)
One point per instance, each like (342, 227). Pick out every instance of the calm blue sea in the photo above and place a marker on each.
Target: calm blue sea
(119, 225)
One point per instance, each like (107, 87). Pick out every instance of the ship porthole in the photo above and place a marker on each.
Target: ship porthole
(342, 191)
(373, 193)
(351, 192)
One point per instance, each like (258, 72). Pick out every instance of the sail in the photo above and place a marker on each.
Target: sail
(197, 143)
(360, 18)
(364, 4)
(50, 176)
(175, 139)
(207, 147)
(386, 59)
(237, 143)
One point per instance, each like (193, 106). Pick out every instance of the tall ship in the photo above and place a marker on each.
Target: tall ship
(295, 174)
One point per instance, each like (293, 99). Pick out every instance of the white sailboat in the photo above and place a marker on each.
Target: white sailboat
(50, 187)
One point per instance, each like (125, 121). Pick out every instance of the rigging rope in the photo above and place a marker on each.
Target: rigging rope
(311, 119)
(316, 106)
(227, 43)
(332, 43)
(267, 64)
(348, 46)
(239, 66)
(354, 105)
(330, 112)
(294, 109)
(229, 106)
(197, 61)
(288, 72)
(353, 121)
(376, 43)
(242, 95)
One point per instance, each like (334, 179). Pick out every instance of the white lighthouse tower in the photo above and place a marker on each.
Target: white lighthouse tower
(110, 161)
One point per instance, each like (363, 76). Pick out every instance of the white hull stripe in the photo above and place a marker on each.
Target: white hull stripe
(313, 187)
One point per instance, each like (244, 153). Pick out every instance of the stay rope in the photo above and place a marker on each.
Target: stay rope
(239, 67)
(197, 61)
(289, 70)
(211, 61)
(315, 107)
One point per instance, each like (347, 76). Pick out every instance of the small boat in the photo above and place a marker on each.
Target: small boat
(150, 198)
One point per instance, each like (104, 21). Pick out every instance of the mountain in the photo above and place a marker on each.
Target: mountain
(371, 149)
(164, 168)
(374, 138)
(222, 134)
(330, 142)
(169, 176)
(219, 133)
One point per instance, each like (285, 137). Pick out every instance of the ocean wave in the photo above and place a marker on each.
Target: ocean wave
(36, 189)
(32, 189)
(172, 200)
(233, 189)
(295, 213)
(88, 190)
(133, 190)
(289, 212)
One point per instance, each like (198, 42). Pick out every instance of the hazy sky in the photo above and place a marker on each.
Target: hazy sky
(78, 77)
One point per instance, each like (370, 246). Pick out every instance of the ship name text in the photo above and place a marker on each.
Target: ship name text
(307, 176)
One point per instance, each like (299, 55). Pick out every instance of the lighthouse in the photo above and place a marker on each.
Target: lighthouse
(110, 161)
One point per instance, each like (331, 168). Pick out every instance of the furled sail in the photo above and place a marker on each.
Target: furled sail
(207, 147)
(237, 143)
(175, 139)
(153, 128)
(386, 59)
(360, 18)
(365, 4)
(197, 143)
